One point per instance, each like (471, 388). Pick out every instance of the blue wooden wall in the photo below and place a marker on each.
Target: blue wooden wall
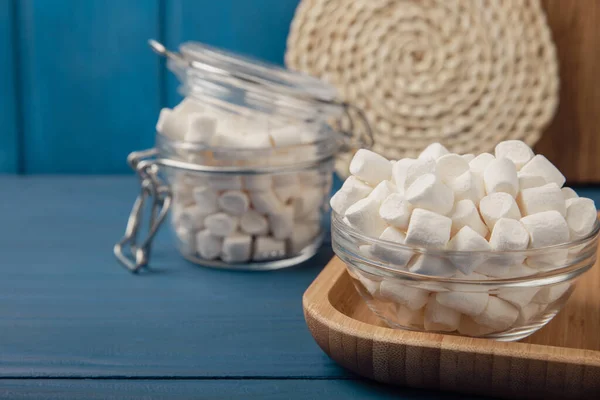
(80, 89)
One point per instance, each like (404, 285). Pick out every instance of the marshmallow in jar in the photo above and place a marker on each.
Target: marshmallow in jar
(466, 218)
(248, 158)
(244, 218)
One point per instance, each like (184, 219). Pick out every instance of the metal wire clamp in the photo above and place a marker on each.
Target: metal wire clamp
(132, 253)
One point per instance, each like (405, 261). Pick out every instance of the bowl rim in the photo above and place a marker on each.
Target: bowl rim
(543, 277)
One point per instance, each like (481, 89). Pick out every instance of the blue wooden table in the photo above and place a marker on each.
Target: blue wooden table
(74, 324)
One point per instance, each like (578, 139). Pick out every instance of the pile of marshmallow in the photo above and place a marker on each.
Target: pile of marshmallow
(512, 200)
(240, 218)
(192, 122)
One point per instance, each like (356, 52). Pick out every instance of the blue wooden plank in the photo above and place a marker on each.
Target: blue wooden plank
(90, 84)
(68, 309)
(221, 389)
(9, 143)
(258, 28)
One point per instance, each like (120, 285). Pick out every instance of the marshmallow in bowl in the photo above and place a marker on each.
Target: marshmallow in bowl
(470, 207)
(370, 167)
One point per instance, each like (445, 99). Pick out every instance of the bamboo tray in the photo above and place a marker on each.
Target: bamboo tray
(562, 360)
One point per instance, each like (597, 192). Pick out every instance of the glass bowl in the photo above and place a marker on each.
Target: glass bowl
(511, 295)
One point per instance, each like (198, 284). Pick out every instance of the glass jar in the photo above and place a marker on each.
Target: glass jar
(244, 162)
(509, 306)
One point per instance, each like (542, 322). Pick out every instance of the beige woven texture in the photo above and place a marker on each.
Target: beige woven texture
(466, 73)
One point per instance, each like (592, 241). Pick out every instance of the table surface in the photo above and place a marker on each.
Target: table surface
(74, 324)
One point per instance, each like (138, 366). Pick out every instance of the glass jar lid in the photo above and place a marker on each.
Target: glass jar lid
(210, 73)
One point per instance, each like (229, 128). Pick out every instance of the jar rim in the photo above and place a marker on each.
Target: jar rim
(339, 227)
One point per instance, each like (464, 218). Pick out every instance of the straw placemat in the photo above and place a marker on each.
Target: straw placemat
(466, 73)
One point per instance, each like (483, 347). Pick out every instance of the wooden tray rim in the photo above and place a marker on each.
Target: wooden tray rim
(316, 304)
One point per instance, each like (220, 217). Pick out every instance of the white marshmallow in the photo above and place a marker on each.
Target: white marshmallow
(528, 312)
(428, 229)
(498, 205)
(234, 202)
(357, 188)
(173, 124)
(546, 228)
(382, 191)
(418, 168)
(465, 213)
(282, 222)
(498, 314)
(527, 181)
(235, 140)
(539, 165)
(429, 193)
(468, 240)
(268, 248)
(164, 114)
(257, 182)
(407, 317)
(440, 318)
(396, 210)
(226, 182)
(433, 151)
(303, 234)
(237, 248)
(285, 136)
(399, 172)
(221, 224)
(468, 327)
(581, 217)
(200, 129)
(569, 193)
(462, 287)
(208, 245)
(206, 199)
(466, 187)
(516, 151)
(286, 179)
(543, 198)
(468, 157)
(309, 200)
(550, 294)
(397, 257)
(191, 218)
(450, 167)
(518, 297)
(410, 297)
(254, 223)
(463, 302)
(501, 176)
(188, 106)
(426, 264)
(495, 268)
(367, 283)
(480, 163)
(285, 194)
(370, 167)
(265, 202)
(366, 250)
(364, 216)
(509, 234)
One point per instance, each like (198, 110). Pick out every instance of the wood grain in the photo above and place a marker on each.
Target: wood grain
(9, 142)
(572, 140)
(562, 360)
(226, 389)
(90, 85)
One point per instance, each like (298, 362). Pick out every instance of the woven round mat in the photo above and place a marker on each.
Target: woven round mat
(466, 73)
